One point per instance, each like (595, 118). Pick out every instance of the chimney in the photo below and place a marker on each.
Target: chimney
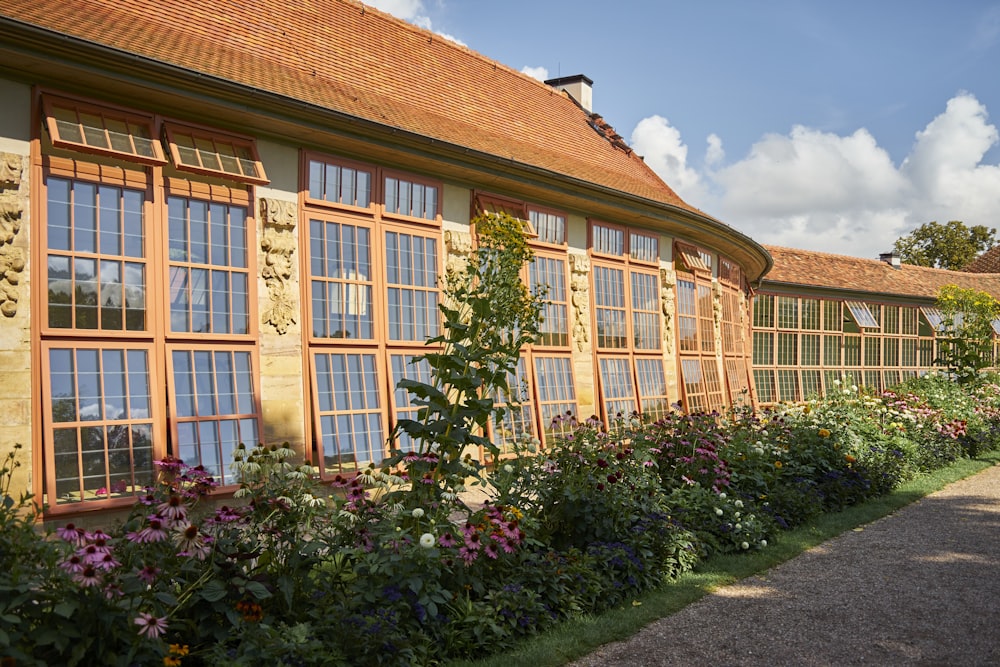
(890, 258)
(579, 87)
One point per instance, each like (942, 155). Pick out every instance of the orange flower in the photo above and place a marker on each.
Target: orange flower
(824, 433)
(778, 464)
(849, 458)
(251, 611)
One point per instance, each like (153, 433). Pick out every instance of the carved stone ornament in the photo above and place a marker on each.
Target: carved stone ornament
(278, 244)
(11, 165)
(579, 284)
(11, 210)
(459, 247)
(667, 301)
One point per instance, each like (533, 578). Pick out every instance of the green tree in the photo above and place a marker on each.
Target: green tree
(949, 246)
(966, 330)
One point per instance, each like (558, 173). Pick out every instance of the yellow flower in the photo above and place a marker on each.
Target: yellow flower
(778, 464)
(824, 433)
(849, 458)
(169, 661)
(179, 649)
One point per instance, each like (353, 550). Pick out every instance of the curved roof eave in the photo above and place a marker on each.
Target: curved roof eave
(40, 45)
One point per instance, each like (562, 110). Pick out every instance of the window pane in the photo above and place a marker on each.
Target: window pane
(217, 407)
(100, 452)
(209, 281)
(349, 419)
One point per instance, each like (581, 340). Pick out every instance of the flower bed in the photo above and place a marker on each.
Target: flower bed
(296, 573)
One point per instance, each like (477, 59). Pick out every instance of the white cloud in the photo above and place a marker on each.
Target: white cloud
(540, 73)
(666, 154)
(408, 10)
(843, 194)
(714, 154)
(411, 11)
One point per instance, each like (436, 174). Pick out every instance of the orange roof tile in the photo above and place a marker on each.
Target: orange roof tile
(988, 262)
(345, 57)
(824, 270)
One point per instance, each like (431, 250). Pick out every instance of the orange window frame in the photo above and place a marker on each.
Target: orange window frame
(197, 417)
(210, 152)
(102, 130)
(112, 488)
(51, 255)
(413, 182)
(353, 415)
(342, 278)
(217, 200)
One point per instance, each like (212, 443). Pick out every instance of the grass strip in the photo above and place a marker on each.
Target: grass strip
(580, 636)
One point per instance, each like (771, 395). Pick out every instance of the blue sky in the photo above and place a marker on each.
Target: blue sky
(834, 126)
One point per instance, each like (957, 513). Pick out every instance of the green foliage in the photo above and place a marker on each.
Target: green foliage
(966, 335)
(949, 246)
(489, 315)
(296, 573)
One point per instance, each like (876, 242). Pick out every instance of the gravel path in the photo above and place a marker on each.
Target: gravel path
(919, 587)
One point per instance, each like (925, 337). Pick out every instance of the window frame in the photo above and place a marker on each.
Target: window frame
(51, 101)
(48, 481)
(174, 129)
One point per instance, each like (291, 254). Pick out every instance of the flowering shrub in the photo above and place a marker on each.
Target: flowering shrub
(293, 572)
(687, 450)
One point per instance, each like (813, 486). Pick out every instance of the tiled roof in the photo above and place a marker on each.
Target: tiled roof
(988, 262)
(824, 270)
(349, 58)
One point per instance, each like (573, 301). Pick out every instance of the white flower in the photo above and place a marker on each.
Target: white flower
(738, 515)
(718, 512)
(744, 545)
(417, 513)
(763, 543)
(836, 383)
(722, 495)
(738, 527)
(508, 468)
(427, 540)
(738, 503)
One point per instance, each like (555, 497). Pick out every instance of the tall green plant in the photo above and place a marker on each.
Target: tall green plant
(488, 316)
(966, 336)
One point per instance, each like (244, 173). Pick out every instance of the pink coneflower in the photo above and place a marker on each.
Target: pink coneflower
(72, 534)
(147, 498)
(447, 540)
(339, 482)
(88, 576)
(74, 564)
(148, 574)
(154, 532)
(150, 626)
(490, 549)
(173, 510)
(472, 541)
(468, 555)
(106, 562)
(505, 545)
(226, 515)
(91, 553)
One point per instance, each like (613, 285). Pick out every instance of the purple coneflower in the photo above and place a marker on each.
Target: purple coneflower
(173, 510)
(73, 564)
(72, 534)
(148, 574)
(156, 531)
(150, 626)
(88, 576)
(447, 540)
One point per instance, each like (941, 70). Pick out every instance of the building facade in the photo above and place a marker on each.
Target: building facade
(820, 319)
(224, 228)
